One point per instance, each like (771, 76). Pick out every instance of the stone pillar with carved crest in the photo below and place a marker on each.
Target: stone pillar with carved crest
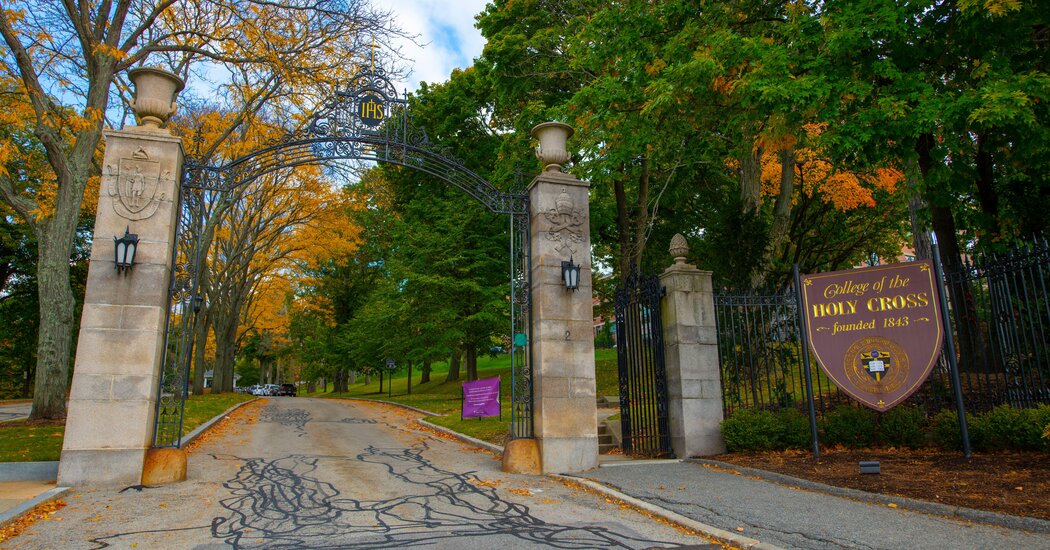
(113, 398)
(565, 411)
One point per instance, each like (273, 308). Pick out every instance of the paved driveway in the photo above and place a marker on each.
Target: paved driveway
(15, 412)
(314, 473)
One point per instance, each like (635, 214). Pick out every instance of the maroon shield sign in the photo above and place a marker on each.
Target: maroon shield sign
(876, 332)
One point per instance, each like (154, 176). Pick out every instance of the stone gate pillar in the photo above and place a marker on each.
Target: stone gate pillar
(694, 389)
(113, 398)
(565, 411)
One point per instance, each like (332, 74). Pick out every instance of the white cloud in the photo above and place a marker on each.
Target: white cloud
(446, 32)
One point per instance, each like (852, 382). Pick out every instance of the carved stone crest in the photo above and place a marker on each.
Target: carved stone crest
(134, 187)
(565, 220)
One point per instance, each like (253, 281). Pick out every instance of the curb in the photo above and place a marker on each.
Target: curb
(207, 425)
(728, 537)
(464, 438)
(16, 512)
(932, 508)
(365, 399)
(28, 471)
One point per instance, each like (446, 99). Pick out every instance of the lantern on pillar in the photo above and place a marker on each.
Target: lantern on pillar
(124, 250)
(570, 274)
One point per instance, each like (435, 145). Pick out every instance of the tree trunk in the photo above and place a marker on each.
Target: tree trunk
(55, 337)
(453, 367)
(622, 224)
(410, 378)
(985, 181)
(751, 180)
(920, 231)
(353, 378)
(471, 353)
(380, 381)
(963, 308)
(425, 377)
(778, 232)
(200, 359)
(311, 386)
(340, 381)
(632, 220)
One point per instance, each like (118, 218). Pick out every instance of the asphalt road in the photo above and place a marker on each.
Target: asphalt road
(15, 412)
(315, 473)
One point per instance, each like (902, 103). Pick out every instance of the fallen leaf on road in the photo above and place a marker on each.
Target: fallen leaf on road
(42, 511)
(740, 529)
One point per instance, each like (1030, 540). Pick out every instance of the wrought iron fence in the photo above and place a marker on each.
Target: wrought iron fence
(1001, 320)
(1000, 317)
(760, 352)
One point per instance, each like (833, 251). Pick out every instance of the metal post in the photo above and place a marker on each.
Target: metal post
(805, 361)
(953, 362)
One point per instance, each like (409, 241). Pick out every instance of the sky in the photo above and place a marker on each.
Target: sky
(446, 33)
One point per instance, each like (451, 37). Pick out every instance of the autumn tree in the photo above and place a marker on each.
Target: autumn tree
(66, 58)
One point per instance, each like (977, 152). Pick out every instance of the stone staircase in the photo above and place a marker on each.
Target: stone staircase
(608, 430)
(606, 439)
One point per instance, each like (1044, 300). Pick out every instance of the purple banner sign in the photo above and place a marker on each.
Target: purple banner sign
(481, 398)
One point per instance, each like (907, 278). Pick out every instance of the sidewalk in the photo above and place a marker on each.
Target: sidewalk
(750, 510)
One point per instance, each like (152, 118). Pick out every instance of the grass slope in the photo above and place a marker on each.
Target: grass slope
(439, 396)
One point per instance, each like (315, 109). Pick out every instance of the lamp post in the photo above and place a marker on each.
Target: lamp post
(570, 274)
(124, 250)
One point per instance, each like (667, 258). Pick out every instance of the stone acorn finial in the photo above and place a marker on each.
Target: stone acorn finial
(155, 91)
(551, 150)
(679, 248)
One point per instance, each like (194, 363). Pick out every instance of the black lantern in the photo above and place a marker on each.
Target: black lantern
(570, 274)
(124, 250)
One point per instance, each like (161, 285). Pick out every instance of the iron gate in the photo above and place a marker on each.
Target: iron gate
(643, 375)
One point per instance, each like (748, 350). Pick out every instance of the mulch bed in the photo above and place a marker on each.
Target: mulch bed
(1014, 483)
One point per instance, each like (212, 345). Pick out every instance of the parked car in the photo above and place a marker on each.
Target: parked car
(288, 389)
(272, 389)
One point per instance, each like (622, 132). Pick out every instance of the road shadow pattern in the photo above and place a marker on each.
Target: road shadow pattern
(283, 503)
(280, 503)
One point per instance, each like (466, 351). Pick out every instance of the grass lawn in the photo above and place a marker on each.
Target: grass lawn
(445, 398)
(22, 441)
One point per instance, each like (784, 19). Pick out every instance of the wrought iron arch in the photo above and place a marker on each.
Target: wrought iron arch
(349, 127)
(338, 132)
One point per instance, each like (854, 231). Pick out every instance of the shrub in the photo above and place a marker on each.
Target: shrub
(903, 426)
(794, 430)
(750, 430)
(760, 430)
(850, 426)
(946, 430)
(1005, 427)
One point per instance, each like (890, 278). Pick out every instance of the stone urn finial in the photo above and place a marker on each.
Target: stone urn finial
(551, 150)
(155, 91)
(679, 248)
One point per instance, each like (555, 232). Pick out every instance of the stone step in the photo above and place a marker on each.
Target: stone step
(604, 439)
(606, 448)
